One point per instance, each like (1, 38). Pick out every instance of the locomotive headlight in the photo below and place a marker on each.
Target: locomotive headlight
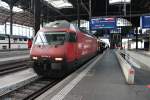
(58, 59)
(34, 58)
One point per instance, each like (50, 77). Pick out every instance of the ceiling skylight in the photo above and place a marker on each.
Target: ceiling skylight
(60, 3)
(16, 9)
(119, 1)
(5, 5)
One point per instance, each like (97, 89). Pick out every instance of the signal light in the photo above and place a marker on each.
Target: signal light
(58, 59)
(34, 58)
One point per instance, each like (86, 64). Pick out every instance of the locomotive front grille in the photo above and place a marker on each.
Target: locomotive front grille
(48, 63)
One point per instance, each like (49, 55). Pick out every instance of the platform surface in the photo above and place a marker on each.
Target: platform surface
(15, 58)
(104, 81)
(6, 54)
(15, 80)
(147, 53)
(144, 59)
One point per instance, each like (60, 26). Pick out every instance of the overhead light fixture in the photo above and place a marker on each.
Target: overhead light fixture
(60, 4)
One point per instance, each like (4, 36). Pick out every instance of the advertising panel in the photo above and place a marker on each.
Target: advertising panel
(145, 21)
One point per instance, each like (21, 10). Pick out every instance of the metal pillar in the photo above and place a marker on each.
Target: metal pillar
(128, 43)
(11, 18)
(136, 38)
(106, 8)
(78, 12)
(149, 41)
(124, 8)
(90, 13)
(37, 15)
(11, 22)
(5, 28)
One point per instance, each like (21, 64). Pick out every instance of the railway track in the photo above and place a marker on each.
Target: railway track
(31, 90)
(14, 66)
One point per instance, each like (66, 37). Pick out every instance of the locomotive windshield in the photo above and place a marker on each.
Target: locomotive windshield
(50, 38)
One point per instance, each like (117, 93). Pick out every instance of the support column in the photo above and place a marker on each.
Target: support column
(11, 18)
(78, 12)
(5, 28)
(136, 38)
(11, 23)
(149, 41)
(37, 15)
(90, 13)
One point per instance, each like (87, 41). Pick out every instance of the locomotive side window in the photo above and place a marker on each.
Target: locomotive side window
(72, 37)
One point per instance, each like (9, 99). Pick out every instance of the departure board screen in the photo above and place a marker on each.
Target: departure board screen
(102, 23)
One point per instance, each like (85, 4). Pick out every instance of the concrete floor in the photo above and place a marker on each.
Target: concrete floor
(104, 81)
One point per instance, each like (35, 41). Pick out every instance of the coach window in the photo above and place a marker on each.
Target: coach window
(20, 39)
(25, 39)
(2, 38)
(72, 37)
(15, 39)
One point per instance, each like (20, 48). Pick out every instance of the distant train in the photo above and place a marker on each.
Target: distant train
(17, 42)
(101, 46)
(61, 47)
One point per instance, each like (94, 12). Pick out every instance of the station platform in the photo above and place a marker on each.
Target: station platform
(142, 59)
(99, 79)
(15, 80)
(145, 53)
(15, 58)
(6, 54)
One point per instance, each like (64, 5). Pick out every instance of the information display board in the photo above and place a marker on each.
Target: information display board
(102, 23)
(145, 21)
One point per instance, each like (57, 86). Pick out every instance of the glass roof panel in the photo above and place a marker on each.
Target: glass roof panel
(6, 6)
(60, 3)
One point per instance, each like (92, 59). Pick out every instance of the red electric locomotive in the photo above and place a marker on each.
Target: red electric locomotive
(60, 47)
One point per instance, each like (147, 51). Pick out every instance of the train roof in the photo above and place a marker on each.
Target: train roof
(58, 24)
(63, 24)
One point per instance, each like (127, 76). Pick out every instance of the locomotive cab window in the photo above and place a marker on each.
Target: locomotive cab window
(51, 38)
(55, 38)
(72, 37)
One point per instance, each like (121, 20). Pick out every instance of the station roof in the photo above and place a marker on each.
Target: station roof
(51, 13)
(22, 18)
